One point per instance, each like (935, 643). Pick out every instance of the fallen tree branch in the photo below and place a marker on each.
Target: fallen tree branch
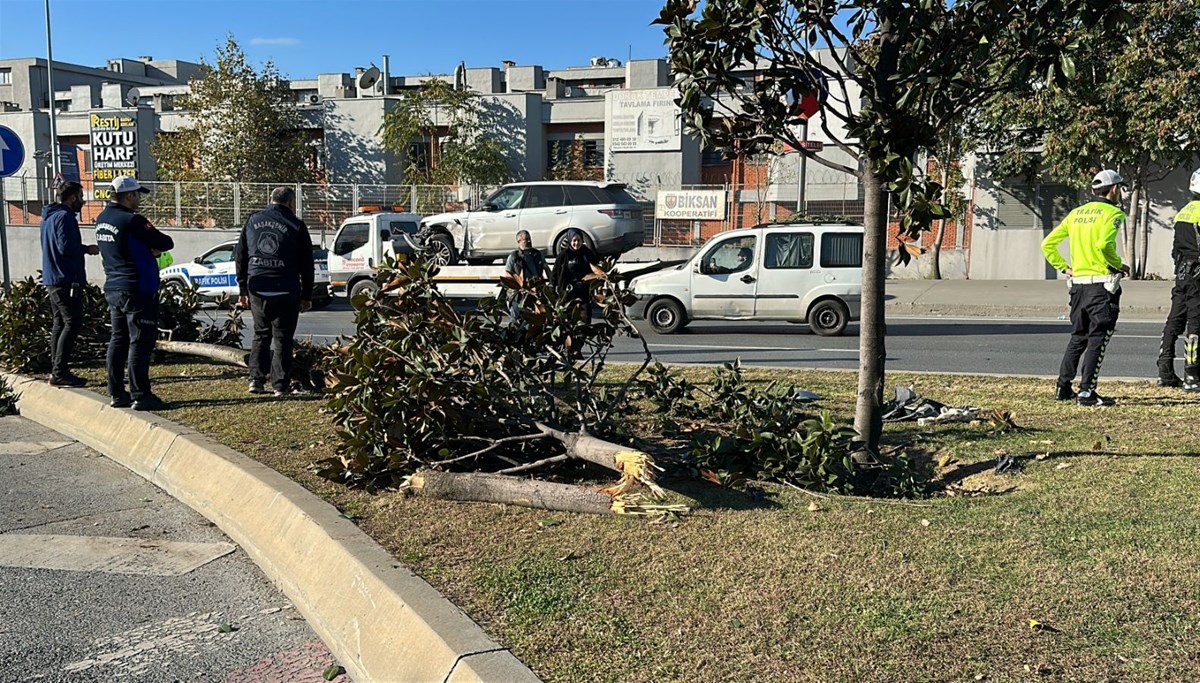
(534, 465)
(633, 465)
(531, 493)
(224, 354)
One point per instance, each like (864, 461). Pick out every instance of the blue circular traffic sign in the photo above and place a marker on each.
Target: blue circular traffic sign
(12, 152)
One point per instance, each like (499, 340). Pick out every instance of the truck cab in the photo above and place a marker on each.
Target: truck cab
(794, 272)
(363, 242)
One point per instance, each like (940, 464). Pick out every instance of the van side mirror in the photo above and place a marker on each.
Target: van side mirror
(384, 235)
(198, 259)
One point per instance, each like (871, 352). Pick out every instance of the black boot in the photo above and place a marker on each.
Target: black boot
(1063, 392)
(1167, 376)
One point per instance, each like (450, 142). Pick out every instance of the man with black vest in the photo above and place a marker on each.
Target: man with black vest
(1185, 297)
(129, 245)
(275, 281)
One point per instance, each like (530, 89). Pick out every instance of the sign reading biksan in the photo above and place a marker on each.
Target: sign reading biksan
(114, 149)
(692, 205)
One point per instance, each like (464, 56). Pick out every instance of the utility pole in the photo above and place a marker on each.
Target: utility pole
(56, 160)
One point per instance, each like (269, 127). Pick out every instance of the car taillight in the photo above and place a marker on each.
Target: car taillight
(619, 213)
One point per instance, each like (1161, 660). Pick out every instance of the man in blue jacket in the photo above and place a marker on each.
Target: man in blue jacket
(274, 258)
(130, 245)
(64, 278)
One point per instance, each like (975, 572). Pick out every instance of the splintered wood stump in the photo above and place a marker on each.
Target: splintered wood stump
(224, 354)
(492, 488)
(634, 465)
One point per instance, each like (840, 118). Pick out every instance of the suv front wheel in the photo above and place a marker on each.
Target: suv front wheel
(439, 248)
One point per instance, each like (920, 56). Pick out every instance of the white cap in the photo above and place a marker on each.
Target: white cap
(1194, 185)
(127, 183)
(1107, 178)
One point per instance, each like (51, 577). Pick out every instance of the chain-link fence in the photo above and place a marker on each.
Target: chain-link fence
(226, 205)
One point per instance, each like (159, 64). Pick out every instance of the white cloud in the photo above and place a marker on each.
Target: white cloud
(282, 42)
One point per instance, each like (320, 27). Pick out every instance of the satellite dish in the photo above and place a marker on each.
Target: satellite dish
(368, 79)
(133, 96)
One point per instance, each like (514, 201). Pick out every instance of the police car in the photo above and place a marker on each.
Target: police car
(215, 275)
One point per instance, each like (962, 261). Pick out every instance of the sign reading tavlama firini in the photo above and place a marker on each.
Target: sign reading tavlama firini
(692, 205)
(114, 148)
(643, 121)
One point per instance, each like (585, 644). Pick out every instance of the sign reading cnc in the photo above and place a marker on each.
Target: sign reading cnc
(692, 205)
(644, 121)
(114, 149)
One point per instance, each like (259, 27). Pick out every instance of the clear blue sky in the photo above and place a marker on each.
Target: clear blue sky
(307, 37)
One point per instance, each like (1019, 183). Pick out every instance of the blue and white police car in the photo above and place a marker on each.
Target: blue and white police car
(215, 275)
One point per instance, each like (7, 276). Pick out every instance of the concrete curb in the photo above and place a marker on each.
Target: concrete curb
(381, 621)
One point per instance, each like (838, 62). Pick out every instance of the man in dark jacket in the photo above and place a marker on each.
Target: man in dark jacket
(275, 281)
(64, 278)
(529, 264)
(1185, 297)
(130, 245)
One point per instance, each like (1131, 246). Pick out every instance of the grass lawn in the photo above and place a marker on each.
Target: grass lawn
(1096, 538)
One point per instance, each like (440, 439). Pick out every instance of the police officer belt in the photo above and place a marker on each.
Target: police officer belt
(1093, 279)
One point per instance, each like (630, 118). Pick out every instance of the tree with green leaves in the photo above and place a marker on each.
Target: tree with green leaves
(463, 133)
(895, 74)
(242, 126)
(1133, 105)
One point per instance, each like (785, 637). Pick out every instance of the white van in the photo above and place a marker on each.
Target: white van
(362, 243)
(801, 273)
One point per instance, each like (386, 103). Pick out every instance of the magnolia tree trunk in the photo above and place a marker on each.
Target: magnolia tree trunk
(1130, 254)
(935, 267)
(868, 416)
(1144, 236)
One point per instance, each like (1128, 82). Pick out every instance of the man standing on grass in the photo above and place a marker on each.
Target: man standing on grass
(130, 245)
(64, 277)
(1094, 274)
(274, 258)
(1185, 298)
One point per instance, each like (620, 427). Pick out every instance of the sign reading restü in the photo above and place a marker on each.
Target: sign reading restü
(693, 205)
(114, 149)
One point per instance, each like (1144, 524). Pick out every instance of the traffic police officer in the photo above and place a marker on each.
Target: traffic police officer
(1185, 298)
(1094, 275)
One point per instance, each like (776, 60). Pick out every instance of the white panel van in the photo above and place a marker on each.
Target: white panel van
(800, 272)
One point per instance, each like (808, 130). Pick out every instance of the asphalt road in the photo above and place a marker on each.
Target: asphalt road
(967, 345)
(104, 577)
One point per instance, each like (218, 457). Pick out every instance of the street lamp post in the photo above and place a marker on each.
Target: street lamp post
(56, 162)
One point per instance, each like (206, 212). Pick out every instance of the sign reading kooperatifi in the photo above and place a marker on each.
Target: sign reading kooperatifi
(692, 205)
(114, 148)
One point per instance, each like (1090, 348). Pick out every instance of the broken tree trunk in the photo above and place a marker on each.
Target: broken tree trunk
(531, 493)
(493, 488)
(634, 465)
(225, 354)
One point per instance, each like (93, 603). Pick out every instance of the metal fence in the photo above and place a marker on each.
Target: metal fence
(225, 205)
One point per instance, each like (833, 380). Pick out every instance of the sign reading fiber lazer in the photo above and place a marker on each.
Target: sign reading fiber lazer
(692, 205)
(114, 149)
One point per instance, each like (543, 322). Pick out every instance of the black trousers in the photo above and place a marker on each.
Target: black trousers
(134, 317)
(1093, 318)
(1184, 315)
(275, 319)
(66, 305)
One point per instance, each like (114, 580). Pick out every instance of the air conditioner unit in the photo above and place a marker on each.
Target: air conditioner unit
(314, 99)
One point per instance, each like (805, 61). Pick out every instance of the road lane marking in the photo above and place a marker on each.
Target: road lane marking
(106, 554)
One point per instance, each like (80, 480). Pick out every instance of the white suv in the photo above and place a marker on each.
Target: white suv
(609, 217)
